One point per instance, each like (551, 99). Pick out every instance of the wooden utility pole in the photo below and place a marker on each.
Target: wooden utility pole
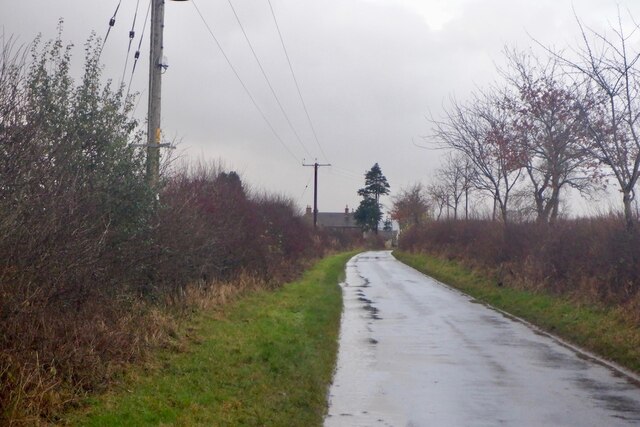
(154, 134)
(315, 165)
(156, 68)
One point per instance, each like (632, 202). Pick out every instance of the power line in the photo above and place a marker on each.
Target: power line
(264, 74)
(244, 86)
(136, 55)
(347, 171)
(112, 22)
(339, 174)
(293, 74)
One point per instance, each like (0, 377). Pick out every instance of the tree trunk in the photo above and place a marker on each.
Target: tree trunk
(555, 208)
(554, 201)
(448, 208)
(466, 203)
(541, 210)
(503, 212)
(628, 213)
(495, 206)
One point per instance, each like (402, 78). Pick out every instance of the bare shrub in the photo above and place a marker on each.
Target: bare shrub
(338, 240)
(595, 260)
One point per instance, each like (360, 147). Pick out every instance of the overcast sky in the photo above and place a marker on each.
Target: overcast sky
(370, 72)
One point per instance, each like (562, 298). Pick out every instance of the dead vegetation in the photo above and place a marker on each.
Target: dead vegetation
(591, 260)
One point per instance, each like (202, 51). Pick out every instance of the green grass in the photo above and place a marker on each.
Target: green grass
(602, 331)
(266, 359)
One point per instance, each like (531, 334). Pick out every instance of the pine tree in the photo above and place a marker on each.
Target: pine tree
(369, 213)
(375, 184)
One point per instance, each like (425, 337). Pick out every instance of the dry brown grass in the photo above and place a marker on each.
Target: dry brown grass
(50, 359)
(212, 295)
(85, 354)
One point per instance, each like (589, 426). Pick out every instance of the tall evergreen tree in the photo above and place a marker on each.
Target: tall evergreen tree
(375, 184)
(369, 212)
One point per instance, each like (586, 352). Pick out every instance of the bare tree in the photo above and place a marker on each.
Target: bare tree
(482, 131)
(610, 65)
(439, 199)
(550, 129)
(455, 179)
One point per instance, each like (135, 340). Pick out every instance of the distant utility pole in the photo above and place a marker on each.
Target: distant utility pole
(315, 165)
(156, 68)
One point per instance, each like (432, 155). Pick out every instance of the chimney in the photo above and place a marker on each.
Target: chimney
(346, 210)
(309, 211)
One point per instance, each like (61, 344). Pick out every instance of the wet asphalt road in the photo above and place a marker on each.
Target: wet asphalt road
(414, 352)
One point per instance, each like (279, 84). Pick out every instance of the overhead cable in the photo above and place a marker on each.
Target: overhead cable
(244, 86)
(112, 22)
(136, 55)
(340, 174)
(293, 74)
(264, 74)
(132, 34)
(348, 171)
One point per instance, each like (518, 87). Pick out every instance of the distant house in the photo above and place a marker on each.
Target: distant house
(339, 221)
(344, 222)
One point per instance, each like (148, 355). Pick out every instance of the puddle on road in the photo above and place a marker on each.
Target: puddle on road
(497, 322)
(373, 311)
(368, 305)
(370, 258)
(365, 282)
(552, 358)
(608, 397)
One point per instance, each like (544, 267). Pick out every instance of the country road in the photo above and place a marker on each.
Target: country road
(414, 352)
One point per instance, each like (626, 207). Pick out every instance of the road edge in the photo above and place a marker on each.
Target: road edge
(587, 354)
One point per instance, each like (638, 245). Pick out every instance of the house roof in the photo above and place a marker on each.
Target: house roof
(337, 220)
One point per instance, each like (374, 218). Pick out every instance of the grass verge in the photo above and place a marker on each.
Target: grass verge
(266, 359)
(603, 331)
